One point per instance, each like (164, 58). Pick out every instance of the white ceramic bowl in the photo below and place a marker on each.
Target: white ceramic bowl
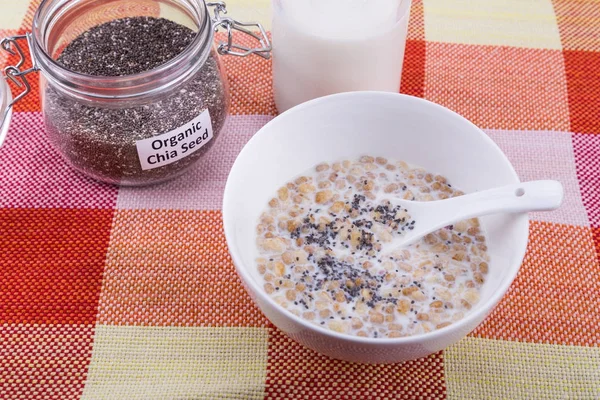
(379, 124)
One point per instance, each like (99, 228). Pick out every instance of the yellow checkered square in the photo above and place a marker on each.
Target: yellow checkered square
(516, 23)
(145, 363)
(499, 369)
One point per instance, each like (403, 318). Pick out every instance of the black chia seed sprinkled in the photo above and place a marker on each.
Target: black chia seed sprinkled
(351, 278)
(334, 269)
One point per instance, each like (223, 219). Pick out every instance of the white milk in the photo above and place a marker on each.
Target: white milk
(322, 47)
(443, 270)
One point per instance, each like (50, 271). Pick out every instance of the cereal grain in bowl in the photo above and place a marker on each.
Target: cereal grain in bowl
(344, 127)
(321, 239)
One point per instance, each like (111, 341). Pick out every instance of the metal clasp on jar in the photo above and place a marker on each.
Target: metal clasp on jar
(230, 24)
(17, 76)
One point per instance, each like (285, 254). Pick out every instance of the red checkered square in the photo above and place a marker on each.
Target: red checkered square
(51, 264)
(583, 83)
(413, 69)
(499, 87)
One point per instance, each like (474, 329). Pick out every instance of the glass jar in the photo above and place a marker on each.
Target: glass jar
(135, 129)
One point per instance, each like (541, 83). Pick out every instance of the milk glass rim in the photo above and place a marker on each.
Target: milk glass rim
(402, 15)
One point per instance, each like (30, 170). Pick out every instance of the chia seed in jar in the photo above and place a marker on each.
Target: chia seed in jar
(99, 139)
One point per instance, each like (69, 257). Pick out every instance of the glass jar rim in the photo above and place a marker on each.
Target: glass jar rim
(134, 86)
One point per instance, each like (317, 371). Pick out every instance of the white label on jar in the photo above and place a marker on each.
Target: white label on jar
(169, 147)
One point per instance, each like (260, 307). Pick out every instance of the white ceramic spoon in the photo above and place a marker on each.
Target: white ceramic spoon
(430, 216)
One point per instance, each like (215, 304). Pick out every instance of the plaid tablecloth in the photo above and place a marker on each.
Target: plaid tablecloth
(110, 293)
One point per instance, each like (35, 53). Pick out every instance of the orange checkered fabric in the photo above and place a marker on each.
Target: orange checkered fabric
(121, 293)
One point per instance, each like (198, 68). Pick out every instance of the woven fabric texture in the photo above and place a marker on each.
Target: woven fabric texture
(122, 293)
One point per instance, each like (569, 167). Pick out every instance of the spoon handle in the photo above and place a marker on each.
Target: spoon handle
(516, 198)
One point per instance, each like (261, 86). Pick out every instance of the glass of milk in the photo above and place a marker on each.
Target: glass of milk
(321, 47)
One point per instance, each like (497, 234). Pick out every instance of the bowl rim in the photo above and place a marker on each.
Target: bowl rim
(481, 310)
